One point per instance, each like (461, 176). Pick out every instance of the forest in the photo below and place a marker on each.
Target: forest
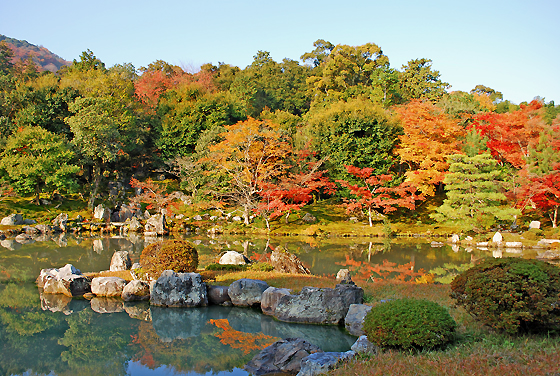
(275, 136)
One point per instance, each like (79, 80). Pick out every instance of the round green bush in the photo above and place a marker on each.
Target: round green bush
(510, 294)
(177, 255)
(409, 324)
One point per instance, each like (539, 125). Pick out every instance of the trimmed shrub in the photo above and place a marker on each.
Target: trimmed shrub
(510, 294)
(177, 255)
(409, 324)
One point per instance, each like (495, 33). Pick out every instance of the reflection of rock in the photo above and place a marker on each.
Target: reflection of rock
(120, 261)
(55, 303)
(247, 292)
(139, 311)
(136, 290)
(282, 356)
(98, 245)
(178, 290)
(61, 240)
(549, 256)
(233, 258)
(354, 319)
(286, 262)
(11, 244)
(177, 323)
(108, 286)
(101, 304)
(318, 305)
(44, 229)
(24, 239)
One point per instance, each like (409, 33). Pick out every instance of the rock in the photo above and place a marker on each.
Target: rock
(67, 280)
(29, 221)
(497, 238)
(309, 218)
(354, 319)
(44, 229)
(134, 225)
(321, 363)
(126, 212)
(535, 224)
(178, 290)
(282, 356)
(315, 305)
(61, 222)
(136, 290)
(246, 292)
(120, 261)
(102, 213)
(343, 276)
(233, 258)
(12, 220)
(108, 286)
(547, 242)
(29, 230)
(106, 305)
(197, 218)
(218, 295)
(270, 298)
(156, 223)
(455, 238)
(514, 245)
(285, 262)
(364, 346)
(548, 256)
(237, 219)
(469, 239)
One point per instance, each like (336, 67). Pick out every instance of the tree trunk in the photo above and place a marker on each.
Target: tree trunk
(95, 188)
(246, 215)
(37, 194)
(287, 216)
(554, 217)
(369, 217)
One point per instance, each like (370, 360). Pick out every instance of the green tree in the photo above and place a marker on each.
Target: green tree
(357, 133)
(36, 160)
(6, 55)
(474, 191)
(418, 81)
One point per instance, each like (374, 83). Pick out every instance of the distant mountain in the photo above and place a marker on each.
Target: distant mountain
(44, 58)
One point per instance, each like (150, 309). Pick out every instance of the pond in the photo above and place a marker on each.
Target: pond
(56, 335)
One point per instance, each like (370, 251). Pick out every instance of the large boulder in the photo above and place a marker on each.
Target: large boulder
(12, 220)
(218, 295)
(315, 305)
(286, 262)
(102, 213)
(125, 213)
(67, 280)
(282, 356)
(156, 224)
(120, 261)
(343, 276)
(270, 298)
(178, 290)
(247, 292)
(136, 290)
(60, 223)
(233, 258)
(321, 363)
(108, 286)
(134, 225)
(354, 320)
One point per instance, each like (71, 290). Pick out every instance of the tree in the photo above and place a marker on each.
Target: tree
(96, 136)
(357, 133)
(6, 55)
(495, 96)
(252, 153)
(418, 81)
(512, 134)
(373, 193)
(474, 192)
(36, 160)
(430, 136)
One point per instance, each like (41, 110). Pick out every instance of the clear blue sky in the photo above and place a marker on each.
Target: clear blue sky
(511, 46)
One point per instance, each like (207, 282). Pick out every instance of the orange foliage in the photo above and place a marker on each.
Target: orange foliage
(363, 271)
(430, 136)
(245, 342)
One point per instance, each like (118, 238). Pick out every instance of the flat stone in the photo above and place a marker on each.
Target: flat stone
(321, 363)
(108, 286)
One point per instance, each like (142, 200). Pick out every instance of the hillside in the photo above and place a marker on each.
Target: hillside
(44, 58)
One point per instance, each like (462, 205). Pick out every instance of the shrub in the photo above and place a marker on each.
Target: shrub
(177, 255)
(533, 234)
(510, 294)
(409, 324)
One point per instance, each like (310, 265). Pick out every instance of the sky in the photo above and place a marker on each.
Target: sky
(511, 46)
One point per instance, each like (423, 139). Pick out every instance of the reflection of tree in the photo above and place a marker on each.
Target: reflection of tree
(363, 271)
(97, 343)
(246, 342)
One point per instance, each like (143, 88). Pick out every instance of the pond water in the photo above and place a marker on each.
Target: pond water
(56, 335)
